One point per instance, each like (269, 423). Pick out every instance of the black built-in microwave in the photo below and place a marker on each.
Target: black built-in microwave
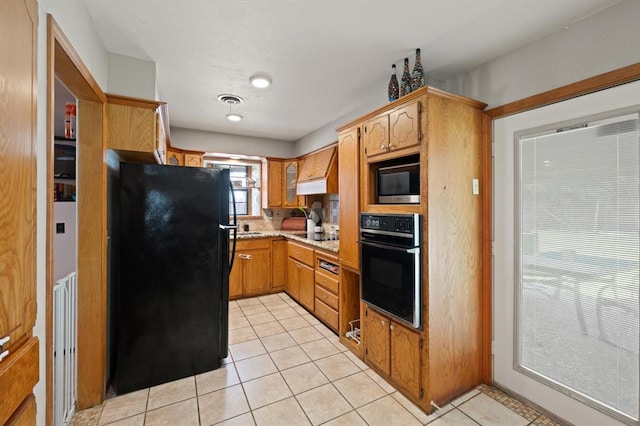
(398, 181)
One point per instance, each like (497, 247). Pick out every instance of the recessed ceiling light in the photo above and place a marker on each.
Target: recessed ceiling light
(234, 117)
(260, 81)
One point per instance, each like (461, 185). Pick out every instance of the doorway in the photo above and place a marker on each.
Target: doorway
(65, 65)
(566, 286)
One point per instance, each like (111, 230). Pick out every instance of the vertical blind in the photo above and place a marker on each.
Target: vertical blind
(577, 285)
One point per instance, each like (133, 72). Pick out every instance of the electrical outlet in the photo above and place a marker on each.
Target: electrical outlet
(476, 187)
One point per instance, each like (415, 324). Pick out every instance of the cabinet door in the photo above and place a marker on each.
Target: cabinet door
(175, 158)
(376, 329)
(256, 271)
(274, 183)
(404, 127)
(131, 128)
(291, 198)
(293, 278)
(376, 136)
(306, 292)
(348, 182)
(19, 22)
(193, 160)
(405, 358)
(235, 278)
(278, 263)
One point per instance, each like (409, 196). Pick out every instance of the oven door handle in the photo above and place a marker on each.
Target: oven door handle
(412, 250)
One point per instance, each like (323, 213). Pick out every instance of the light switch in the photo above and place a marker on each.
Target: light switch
(476, 187)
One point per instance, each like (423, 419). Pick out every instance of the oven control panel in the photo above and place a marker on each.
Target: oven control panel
(404, 224)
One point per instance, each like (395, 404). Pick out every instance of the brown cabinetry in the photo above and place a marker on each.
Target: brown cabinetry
(251, 273)
(19, 366)
(444, 134)
(327, 290)
(278, 264)
(300, 274)
(193, 159)
(133, 128)
(394, 133)
(393, 350)
(280, 188)
(319, 172)
(174, 157)
(349, 182)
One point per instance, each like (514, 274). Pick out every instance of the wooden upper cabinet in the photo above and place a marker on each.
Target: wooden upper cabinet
(348, 181)
(376, 136)
(404, 126)
(18, 47)
(174, 158)
(193, 159)
(290, 197)
(394, 133)
(272, 184)
(132, 128)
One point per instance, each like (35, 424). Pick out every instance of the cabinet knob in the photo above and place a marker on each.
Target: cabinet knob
(383, 322)
(391, 326)
(389, 145)
(382, 146)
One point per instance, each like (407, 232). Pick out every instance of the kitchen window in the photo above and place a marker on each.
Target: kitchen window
(245, 179)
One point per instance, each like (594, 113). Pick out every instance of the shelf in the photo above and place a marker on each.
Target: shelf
(66, 181)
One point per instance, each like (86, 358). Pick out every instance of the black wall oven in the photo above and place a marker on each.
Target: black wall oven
(391, 273)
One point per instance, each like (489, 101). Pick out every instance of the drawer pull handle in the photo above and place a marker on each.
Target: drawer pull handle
(4, 354)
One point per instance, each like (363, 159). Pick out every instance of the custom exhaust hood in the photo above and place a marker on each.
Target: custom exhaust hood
(319, 173)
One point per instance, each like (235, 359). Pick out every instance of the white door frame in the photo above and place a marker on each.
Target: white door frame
(504, 373)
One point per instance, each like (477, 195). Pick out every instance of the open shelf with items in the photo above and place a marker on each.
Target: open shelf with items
(64, 169)
(349, 309)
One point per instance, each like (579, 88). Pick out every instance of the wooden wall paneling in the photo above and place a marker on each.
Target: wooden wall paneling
(64, 63)
(454, 240)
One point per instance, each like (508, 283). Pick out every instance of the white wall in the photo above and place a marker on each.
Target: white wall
(229, 144)
(64, 243)
(131, 77)
(74, 20)
(602, 42)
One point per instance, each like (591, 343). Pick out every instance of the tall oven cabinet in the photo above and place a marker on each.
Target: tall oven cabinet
(448, 354)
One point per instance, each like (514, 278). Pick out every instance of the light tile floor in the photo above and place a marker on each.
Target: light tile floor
(286, 368)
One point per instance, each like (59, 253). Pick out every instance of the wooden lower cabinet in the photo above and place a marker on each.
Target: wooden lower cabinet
(251, 273)
(301, 280)
(394, 351)
(278, 264)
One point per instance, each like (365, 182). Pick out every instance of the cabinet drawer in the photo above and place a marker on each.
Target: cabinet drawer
(327, 280)
(326, 297)
(301, 253)
(326, 314)
(253, 243)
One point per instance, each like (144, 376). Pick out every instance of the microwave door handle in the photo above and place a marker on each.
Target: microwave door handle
(387, 247)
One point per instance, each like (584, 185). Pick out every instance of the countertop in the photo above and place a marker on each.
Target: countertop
(325, 245)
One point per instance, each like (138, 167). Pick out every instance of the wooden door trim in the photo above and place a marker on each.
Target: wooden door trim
(583, 87)
(64, 63)
(603, 81)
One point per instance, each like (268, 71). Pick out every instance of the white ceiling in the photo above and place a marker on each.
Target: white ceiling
(325, 56)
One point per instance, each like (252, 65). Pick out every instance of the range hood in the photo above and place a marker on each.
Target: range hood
(319, 173)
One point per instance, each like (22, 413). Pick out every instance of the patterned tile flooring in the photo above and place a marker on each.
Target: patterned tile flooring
(287, 368)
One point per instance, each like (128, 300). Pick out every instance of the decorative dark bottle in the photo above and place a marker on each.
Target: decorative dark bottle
(405, 82)
(417, 76)
(394, 87)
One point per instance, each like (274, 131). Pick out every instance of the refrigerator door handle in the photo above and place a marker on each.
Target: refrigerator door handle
(228, 227)
(234, 226)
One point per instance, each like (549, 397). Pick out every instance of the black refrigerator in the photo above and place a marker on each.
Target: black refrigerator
(170, 296)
